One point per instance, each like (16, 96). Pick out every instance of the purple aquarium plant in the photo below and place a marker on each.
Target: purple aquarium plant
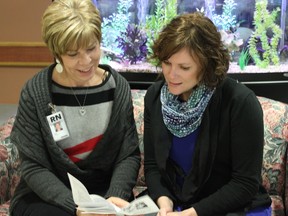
(133, 44)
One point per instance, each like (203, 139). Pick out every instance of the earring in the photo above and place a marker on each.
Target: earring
(59, 67)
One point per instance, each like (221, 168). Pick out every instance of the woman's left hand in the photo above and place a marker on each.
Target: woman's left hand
(118, 201)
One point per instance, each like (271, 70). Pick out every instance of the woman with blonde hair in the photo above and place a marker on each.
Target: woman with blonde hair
(98, 143)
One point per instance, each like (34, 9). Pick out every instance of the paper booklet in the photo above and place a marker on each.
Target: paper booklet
(92, 203)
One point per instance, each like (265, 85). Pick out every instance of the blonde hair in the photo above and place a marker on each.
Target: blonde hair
(197, 33)
(70, 25)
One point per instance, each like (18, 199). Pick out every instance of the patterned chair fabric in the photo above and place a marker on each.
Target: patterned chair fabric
(9, 166)
(275, 164)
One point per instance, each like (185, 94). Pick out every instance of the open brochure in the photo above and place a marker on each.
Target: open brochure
(92, 203)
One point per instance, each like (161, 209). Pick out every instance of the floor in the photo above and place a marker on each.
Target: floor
(6, 111)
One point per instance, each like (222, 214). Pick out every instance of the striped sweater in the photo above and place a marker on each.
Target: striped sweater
(84, 134)
(110, 169)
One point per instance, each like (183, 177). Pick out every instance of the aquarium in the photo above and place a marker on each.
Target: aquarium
(254, 32)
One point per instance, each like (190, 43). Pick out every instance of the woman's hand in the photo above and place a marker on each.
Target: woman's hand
(81, 213)
(165, 204)
(163, 212)
(118, 201)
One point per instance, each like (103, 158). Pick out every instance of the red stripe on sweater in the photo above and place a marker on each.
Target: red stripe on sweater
(74, 159)
(81, 148)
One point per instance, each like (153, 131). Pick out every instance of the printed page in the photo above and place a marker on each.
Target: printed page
(92, 203)
(89, 203)
(141, 206)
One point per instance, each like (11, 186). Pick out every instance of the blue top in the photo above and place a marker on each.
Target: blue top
(181, 151)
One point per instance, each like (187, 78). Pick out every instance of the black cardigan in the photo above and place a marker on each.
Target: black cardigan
(227, 161)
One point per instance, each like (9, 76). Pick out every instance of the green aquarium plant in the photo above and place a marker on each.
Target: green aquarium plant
(165, 11)
(264, 22)
(114, 25)
(170, 10)
(244, 58)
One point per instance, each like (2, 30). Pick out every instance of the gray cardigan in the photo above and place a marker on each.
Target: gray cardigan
(113, 165)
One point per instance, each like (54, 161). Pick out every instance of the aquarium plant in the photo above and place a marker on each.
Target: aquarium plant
(244, 58)
(170, 10)
(227, 20)
(231, 41)
(105, 59)
(227, 25)
(133, 44)
(264, 21)
(165, 11)
(155, 22)
(114, 25)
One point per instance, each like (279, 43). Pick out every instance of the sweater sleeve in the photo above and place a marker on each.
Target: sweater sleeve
(46, 185)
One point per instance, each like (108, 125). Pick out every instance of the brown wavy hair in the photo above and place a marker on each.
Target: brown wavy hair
(197, 33)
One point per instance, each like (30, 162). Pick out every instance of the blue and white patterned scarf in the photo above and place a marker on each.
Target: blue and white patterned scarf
(182, 118)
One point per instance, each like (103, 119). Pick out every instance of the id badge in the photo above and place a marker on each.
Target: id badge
(58, 126)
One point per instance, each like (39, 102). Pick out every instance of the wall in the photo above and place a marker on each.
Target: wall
(20, 23)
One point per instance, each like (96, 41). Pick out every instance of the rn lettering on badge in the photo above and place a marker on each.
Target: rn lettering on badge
(56, 117)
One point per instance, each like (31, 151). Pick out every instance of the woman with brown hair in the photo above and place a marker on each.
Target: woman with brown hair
(203, 132)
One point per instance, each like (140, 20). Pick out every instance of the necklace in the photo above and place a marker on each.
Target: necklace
(82, 110)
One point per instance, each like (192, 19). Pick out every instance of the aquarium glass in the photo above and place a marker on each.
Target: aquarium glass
(255, 32)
